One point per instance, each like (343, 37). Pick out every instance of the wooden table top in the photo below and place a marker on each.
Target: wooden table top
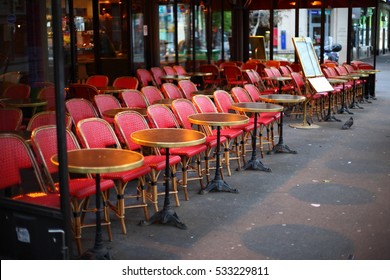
(104, 160)
(168, 137)
(218, 119)
(256, 107)
(200, 74)
(110, 89)
(112, 112)
(24, 103)
(175, 77)
(282, 98)
(208, 92)
(25, 134)
(165, 101)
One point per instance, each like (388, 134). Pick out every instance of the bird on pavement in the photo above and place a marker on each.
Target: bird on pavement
(348, 123)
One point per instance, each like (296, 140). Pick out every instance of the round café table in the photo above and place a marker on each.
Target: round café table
(110, 113)
(28, 105)
(256, 108)
(284, 99)
(218, 120)
(24, 102)
(198, 78)
(175, 78)
(207, 92)
(167, 138)
(343, 107)
(97, 161)
(354, 104)
(370, 87)
(111, 90)
(165, 101)
(280, 81)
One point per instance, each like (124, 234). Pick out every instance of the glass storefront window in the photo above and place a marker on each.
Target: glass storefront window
(283, 32)
(259, 21)
(221, 38)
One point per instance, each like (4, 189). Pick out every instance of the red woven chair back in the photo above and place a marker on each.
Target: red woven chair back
(298, 82)
(145, 77)
(10, 119)
(106, 102)
(169, 70)
(240, 94)
(126, 82)
(79, 109)
(276, 72)
(182, 108)
(179, 69)
(253, 92)
(152, 94)
(46, 118)
(340, 70)
(204, 104)
(157, 72)
(134, 98)
(223, 101)
(249, 66)
(82, 91)
(97, 80)
(128, 122)
(170, 90)
(48, 93)
(284, 70)
(187, 87)
(215, 79)
(17, 91)
(44, 143)
(161, 116)
(97, 133)
(233, 74)
(17, 159)
(349, 68)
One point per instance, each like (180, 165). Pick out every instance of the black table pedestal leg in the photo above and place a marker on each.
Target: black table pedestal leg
(99, 251)
(254, 163)
(167, 215)
(281, 147)
(218, 184)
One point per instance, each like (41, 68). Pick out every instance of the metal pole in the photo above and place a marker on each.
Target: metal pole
(59, 85)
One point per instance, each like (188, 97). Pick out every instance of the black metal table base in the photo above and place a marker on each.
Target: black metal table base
(343, 110)
(165, 216)
(96, 254)
(255, 164)
(331, 118)
(217, 185)
(281, 148)
(99, 251)
(355, 105)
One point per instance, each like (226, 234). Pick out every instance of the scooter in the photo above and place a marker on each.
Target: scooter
(331, 52)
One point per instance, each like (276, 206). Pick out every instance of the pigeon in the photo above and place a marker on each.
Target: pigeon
(348, 123)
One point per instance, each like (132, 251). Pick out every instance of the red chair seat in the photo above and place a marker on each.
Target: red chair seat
(211, 140)
(229, 133)
(188, 151)
(126, 176)
(158, 162)
(85, 187)
(43, 199)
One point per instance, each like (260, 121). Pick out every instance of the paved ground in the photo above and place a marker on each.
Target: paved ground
(328, 201)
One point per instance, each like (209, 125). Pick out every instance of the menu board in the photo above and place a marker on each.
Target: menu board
(307, 57)
(310, 65)
(257, 47)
